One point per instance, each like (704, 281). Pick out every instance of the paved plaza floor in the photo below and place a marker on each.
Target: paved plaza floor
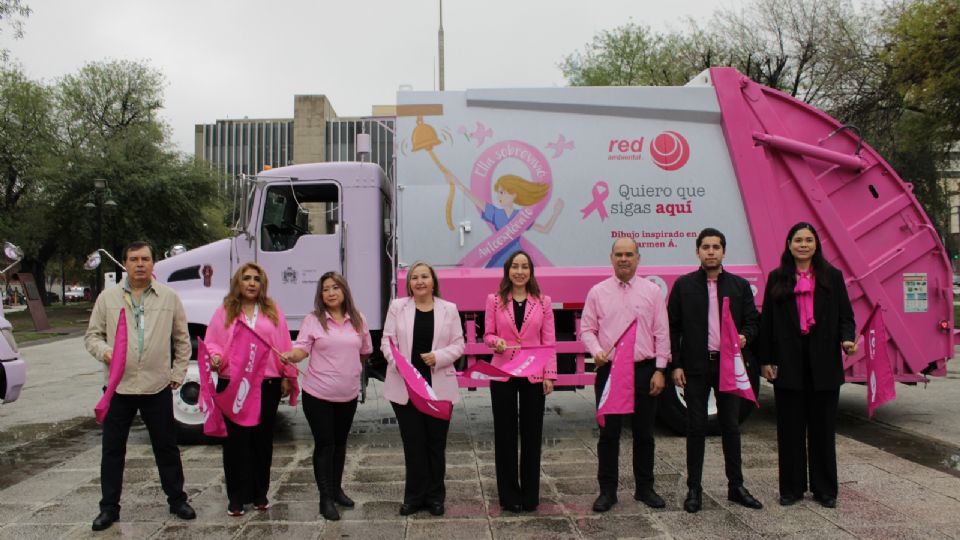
(54, 489)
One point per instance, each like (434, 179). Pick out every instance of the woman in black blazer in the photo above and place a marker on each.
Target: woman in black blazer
(806, 321)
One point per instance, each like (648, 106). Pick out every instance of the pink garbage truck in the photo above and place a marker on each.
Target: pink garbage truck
(562, 173)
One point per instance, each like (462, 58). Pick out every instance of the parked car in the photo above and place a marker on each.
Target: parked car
(13, 372)
(73, 294)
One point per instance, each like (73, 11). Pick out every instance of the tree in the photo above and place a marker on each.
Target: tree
(12, 12)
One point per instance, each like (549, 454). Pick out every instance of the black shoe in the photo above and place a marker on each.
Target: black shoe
(436, 509)
(104, 520)
(409, 509)
(741, 496)
(183, 510)
(650, 498)
(341, 498)
(604, 502)
(787, 500)
(328, 510)
(515, 508)
(826, 502)
(694, 501)
(530, 507)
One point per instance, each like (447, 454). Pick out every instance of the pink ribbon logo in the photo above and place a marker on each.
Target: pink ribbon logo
(600, 193)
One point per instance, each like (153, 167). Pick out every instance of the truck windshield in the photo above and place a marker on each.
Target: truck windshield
(290, 212)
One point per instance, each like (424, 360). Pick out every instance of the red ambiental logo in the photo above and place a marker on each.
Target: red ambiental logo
(669, 151)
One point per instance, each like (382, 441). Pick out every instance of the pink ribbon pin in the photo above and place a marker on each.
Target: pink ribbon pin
(600, 193)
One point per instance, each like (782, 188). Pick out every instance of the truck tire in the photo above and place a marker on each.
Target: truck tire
(672, 408)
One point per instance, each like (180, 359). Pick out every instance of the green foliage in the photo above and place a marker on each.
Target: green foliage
(101, 122)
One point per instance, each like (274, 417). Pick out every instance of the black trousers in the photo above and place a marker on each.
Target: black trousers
(608, 447)
(517, 403)
(806, 433)
(330, 423)
(248, 451)
(696, 394)
(424, 454)
(156, 411)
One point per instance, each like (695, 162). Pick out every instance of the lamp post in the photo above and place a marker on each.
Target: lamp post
(97, 200)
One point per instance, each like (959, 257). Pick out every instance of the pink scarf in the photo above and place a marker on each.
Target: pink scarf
(804, 292)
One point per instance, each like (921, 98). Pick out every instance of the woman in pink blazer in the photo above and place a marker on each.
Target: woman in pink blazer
(427, 331)
(248, 451)
(519, 316)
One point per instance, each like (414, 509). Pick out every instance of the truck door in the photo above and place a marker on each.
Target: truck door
(300, 238)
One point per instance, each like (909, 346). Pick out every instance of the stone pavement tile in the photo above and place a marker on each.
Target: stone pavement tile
(31, 531)
(198, 531)
(151, 491)
(297, 492)
(381, 510)
(460, 472)
(573, 469)
(582, 505)
(456, 508)
(202, 477)
(575, 486)
(776, 520)
(366, 530)
(448, 528)
(855, 510)
(376, 474)
(704, 524)
(547, 507)
(949, 486)
(548, 528)
(394, 459)
(464, 489)
(281, 530)
(46, 486)
(563, 455)
(120, 529)
(913, 500)
(489, 485)
(369, 491)
(11, 511)
(830, 533)
(950, 530)
(305, 476)
(609, 527)
(898, 532)
(292, 511)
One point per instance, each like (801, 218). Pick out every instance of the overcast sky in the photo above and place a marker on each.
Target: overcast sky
(230, 59)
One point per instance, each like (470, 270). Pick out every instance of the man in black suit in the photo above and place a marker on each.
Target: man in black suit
(694, 312)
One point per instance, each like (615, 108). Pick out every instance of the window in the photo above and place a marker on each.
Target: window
(291, 212)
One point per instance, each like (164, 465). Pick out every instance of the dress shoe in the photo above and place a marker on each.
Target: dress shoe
(183, 510)
(650, 498)
(409, 509)
(530, 507)
(105, 520)
(515, 508)
(341, 498)
(787, 500)
(436, 509)
(741, 496)
(604, 502)
(328, 510)
(694, 501)
(262, 507)
(826, 502)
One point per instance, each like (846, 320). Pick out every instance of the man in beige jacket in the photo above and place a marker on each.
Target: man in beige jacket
(155, 319)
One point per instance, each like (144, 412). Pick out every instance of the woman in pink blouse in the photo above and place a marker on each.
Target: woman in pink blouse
(336, 338)
(248, 451)
(518, 315)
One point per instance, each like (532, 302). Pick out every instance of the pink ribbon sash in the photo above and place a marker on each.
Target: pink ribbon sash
(733, 372)
(881, 385)
(247, 357)
(118, 363)
(213, 424)
(804, 292)
(617, 396)
(421, 394)
(528, 362)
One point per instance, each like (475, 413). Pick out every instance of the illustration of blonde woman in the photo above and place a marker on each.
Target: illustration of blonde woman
(510, 191)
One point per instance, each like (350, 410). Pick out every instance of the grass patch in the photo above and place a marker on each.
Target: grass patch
(64, 319)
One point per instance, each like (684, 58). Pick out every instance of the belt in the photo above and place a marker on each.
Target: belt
(713, 355)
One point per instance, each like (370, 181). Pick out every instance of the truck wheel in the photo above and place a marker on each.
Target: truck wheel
(186, 408)
(672, 408)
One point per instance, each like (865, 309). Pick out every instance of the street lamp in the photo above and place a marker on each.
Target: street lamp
(98, 199)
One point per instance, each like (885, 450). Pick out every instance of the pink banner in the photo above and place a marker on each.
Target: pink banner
(527, 363)
(733, 372)
(421, 394)
(118, 363)
(881, 386)
(213, 424)
(617, 396)
(248, 356)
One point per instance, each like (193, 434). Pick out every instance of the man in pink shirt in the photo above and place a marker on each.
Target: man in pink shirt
(611, 306)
